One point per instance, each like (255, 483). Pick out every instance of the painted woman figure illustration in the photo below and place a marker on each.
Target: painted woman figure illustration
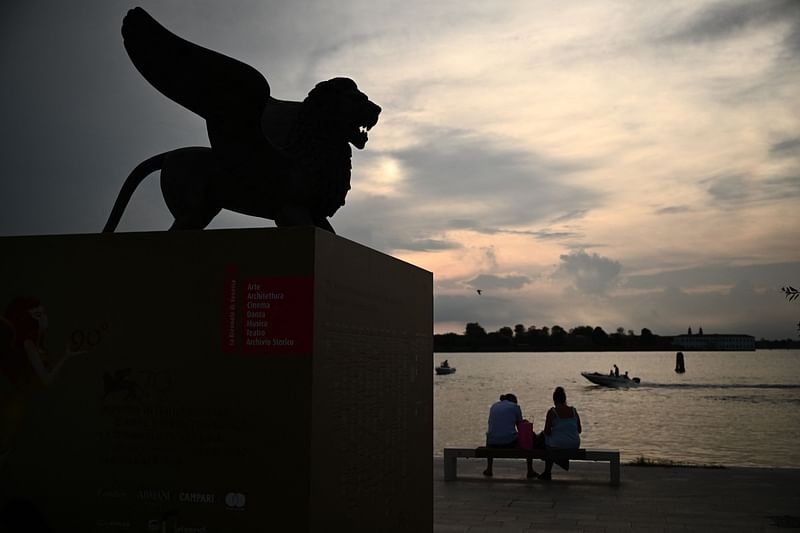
(24, 363)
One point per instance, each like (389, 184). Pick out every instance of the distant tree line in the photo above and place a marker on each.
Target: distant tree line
(550, 339)
(781, 344)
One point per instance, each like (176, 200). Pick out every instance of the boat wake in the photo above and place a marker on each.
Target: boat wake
(720, 385)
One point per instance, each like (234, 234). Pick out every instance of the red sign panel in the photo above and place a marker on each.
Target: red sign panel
(273, 315)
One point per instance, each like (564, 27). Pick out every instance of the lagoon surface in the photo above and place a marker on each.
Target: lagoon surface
(729, 408)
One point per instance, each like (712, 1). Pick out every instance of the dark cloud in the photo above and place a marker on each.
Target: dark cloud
(557, 235)
(725, 19)
(729, 189)
(673, 210)
(490, 256)
(574, 214)
(760, 275)
(539, 234)
(461, 223)
(742, 190)
(786, 148)
(490, 281)
(792, 40)
(782, 187)
(425, 245)
(517, 186)
(591, 274)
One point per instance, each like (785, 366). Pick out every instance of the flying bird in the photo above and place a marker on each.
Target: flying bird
(479, 291)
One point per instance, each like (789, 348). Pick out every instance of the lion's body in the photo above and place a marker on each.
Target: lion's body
(196, 187)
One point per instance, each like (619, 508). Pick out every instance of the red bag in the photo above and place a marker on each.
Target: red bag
(525, 435)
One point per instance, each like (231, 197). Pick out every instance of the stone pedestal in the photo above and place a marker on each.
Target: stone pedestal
(215, 381)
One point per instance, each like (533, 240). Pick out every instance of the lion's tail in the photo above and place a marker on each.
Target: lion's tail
(142, 170)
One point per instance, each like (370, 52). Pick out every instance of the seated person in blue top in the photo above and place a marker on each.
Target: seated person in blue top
(562, 429)
(504, 415)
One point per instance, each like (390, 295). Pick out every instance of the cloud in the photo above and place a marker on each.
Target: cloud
(759, 275)
(487, 309)
(781, 187)
(490, 281)
(490, 256)
(786, 148)
(461, 223)
(460, 164)
(539, 234)
(726, 19)
(556, 235)
(427, 245)
(742, 308)
(730, 189)
(737, 189)
(591, 274)
(461, 180)
(673, 210)
(573, 214)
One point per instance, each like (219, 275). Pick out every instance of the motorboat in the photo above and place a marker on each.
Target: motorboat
(445, 370)
(607, 380)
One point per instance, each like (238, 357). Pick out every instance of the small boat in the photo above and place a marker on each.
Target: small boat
(445, 370)
(611, 381)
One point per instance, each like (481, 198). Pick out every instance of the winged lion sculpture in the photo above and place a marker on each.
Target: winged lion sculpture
(283, 160)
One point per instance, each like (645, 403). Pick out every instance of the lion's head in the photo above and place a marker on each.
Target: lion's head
(342, 111)
(314, 138)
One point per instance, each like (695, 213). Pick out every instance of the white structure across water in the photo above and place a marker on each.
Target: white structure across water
(714, 342)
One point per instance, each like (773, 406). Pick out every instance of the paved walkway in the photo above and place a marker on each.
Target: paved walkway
(648, 499)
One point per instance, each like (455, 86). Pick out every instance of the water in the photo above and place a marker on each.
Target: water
(729, 408)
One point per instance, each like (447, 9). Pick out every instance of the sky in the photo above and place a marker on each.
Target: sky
(607, 163)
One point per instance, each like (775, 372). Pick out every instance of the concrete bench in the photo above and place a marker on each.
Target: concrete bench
(451, 455)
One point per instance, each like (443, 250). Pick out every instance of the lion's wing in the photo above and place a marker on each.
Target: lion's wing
(214, 86)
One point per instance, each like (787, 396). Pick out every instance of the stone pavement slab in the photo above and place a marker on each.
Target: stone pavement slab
(648, 499)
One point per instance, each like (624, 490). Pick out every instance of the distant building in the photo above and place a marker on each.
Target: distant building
(714, 342)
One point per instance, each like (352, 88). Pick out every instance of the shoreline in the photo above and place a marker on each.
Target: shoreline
(578, 349)
(675, 498)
